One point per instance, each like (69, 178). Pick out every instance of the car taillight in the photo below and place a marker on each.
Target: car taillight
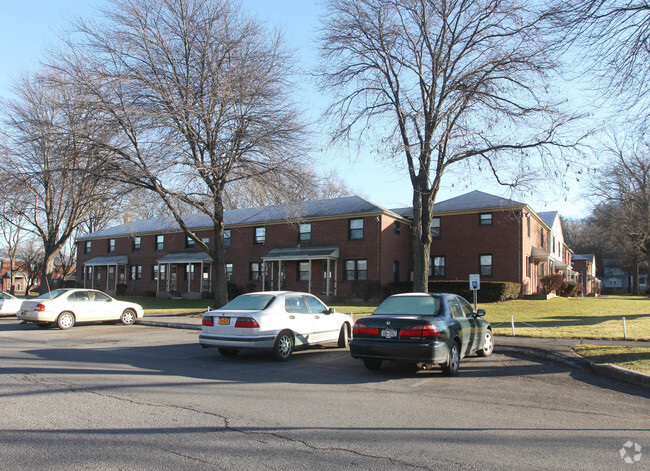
(363, 329)
(208, 321)
(40, 307)
(421, 331)
(246, 323)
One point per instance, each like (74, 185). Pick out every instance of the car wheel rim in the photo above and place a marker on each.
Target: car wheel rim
(284, 346)
(66, 321)
(454, 358)
(487, 347)
(128, 317)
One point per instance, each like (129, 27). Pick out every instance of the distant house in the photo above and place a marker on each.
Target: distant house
(330, 247)
(585, 265)
(20, 278)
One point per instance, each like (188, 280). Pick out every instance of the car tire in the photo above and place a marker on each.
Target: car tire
(450, 367)
(128, 317)
(229, 352)
(344, 337)
(372, 364)
(283, 347)
(488, 345)
(65, 320)
(44, 325)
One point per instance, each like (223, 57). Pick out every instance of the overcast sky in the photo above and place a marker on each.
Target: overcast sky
(28, 27)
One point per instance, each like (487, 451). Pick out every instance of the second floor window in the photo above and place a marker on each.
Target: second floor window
(485, 219)
(111, 245)
(189, 242)
(305, 233)
(260, 235)
(226, 238)
(355, 229)
(136, 244)
(160, 242)
(435, 228)
(87, 246)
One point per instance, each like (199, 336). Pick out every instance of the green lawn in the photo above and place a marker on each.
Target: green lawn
(633, 358)
(588, 318)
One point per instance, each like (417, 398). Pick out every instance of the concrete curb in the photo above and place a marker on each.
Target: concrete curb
(171, 325)
(610, 371)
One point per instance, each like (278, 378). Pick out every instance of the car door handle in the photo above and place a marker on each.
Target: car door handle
(292, 317)
(317, 317)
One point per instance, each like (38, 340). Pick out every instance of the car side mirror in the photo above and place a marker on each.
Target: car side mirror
(329, 310)
(480, 313)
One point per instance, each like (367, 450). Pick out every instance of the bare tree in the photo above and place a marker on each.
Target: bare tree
(53, 174)
(11, 229)
(615, 34)
(290, 185)
(200, 94)
(30, 254)
(439, 83)
(623, 187)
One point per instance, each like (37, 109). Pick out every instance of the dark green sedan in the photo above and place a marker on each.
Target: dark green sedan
(424, 329)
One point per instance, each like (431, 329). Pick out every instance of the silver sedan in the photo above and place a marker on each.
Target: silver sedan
(9, 304)
(65, 307)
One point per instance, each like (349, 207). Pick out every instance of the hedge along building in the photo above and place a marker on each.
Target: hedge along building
(334, 248)
(498, 238)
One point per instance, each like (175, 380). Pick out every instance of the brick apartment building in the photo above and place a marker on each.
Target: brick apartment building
(320, 246)
(324, 247)
(498, 238)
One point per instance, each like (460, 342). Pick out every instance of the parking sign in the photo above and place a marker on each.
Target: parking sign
(474, 282)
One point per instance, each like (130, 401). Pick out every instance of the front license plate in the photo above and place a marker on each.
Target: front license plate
(224, 321)
(389, 333)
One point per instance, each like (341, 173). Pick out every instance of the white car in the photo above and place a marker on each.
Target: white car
(9, 304)
(274, 320)
(69, 306)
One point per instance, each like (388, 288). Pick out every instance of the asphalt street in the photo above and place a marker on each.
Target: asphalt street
(108, 397)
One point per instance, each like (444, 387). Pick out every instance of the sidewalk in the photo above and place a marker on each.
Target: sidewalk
(553, 349)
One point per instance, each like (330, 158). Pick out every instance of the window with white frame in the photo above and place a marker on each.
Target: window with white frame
(485, 219)
(356, 270)
(435, 228)
(485, 264)
(355, 229)
(303, 271)
(304, 234)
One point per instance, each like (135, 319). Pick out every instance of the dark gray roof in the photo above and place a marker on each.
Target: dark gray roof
(347, 205)
(474, 200)
(548, 217)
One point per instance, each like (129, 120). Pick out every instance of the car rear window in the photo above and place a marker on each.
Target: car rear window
(249, 302)
(52, 294)
(410, 306)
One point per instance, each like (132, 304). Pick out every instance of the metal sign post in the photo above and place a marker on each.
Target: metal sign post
(475, 285)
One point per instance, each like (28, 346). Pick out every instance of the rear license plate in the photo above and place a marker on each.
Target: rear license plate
(389, 333)
(224, 321)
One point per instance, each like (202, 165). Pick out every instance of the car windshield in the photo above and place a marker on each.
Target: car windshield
(410, 306)
(249, 302)
(52, 294)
